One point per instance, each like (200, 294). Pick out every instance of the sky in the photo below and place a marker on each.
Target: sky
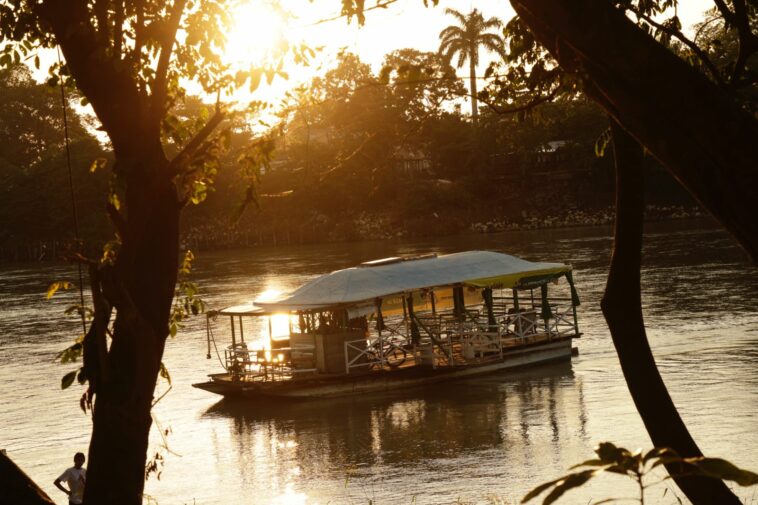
(259, 27)
(405, 23)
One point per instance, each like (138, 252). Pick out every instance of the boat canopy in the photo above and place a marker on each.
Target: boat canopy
(247, 309)
(392, 276)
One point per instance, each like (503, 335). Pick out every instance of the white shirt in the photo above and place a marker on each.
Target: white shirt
(75, 478)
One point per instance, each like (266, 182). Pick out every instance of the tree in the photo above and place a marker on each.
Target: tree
(124, 58)
(692, 124)
(465, 39)
(35, 207)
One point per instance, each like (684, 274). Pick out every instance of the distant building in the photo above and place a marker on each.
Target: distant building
(413, 163)
(553, 152)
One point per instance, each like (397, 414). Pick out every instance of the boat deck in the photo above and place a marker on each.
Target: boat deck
(286, 382)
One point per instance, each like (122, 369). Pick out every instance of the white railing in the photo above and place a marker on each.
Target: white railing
(520, 325)
(482, 343)
(380, 352)
(562, 322)
(454, 338)
(363, 355)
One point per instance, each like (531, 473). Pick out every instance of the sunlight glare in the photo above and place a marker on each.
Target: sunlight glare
(268, 295)
(280, 325)
(257, 34)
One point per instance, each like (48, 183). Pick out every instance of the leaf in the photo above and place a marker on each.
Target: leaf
(55, 286)
(71, 353)
(173, 329)
(164, 373)
(113, 200)
(589, 462)
(539, 489)
(722, 469)
(602, 143)
(609, 453)
(68, 379)
(573, 480)
(97, 164)
(658, 452)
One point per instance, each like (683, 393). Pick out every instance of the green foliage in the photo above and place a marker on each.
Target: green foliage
(71, 353)
(68, 379)
(465, 39)
(602, 142)
(471, 33)
(58, 285)
(637, 466)
(187, 303)
(35, 204)
(163, 372)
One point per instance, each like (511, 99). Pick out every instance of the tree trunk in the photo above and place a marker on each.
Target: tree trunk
(705, 140)
(622, 308)
(474, 101)
(141, 288)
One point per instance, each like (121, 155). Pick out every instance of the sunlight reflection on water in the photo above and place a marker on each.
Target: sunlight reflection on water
(494, 436)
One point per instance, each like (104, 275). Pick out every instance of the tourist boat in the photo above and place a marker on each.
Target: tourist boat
(396, 323)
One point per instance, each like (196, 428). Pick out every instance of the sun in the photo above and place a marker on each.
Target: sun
(257, 34)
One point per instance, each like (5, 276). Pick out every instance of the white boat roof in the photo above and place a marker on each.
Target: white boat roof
(246, 309)
(390, 276)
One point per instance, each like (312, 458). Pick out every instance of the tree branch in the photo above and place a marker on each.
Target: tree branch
(521, 108)
(118, 29)
(112, 93)
(724, 10)
(748, 40)
(117, 219)
(687, 42)
(379, 5)
(189, 150)
(94, 346)
(703, 137)
(101, 14)
(160, 90)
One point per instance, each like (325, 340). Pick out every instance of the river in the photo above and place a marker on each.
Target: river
(483, 440)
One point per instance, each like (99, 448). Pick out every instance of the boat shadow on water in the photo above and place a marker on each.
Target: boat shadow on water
(432, 421)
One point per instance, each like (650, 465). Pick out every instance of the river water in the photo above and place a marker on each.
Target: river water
(483, 440)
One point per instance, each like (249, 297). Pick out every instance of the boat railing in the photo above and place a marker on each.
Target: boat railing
(562, 323)
(518, 325)
(482, 342)
(452, 338)
(265, 365)
(380, 352)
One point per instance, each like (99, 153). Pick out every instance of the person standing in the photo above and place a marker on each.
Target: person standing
(75, 477)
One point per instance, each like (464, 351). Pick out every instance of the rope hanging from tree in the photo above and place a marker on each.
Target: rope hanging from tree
(71, 189)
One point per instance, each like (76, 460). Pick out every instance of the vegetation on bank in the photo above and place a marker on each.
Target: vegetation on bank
(358, 156)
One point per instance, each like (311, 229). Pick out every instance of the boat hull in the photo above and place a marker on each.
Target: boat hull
(371, 382)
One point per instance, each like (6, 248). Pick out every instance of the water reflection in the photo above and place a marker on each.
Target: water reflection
(514, 414)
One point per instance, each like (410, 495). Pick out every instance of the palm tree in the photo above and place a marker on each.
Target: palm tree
(465, 39)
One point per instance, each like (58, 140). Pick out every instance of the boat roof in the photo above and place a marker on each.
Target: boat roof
(246, 309)
(392, 276)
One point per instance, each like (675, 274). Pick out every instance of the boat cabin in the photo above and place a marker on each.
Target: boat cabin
(425, 313)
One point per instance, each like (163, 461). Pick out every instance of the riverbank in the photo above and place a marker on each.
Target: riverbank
(321, 229)
(265, 231)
